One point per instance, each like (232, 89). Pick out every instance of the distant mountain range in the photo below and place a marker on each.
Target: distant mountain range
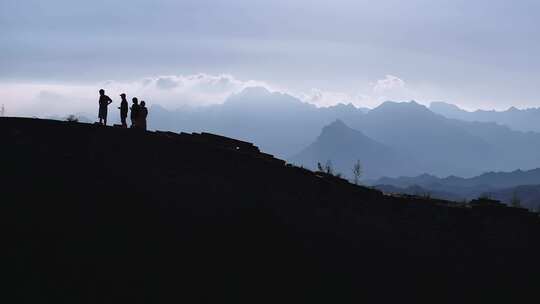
(423, 140)
(344, 146)
(517, 119)
(503, 186)
(431, 142)
(278, 123)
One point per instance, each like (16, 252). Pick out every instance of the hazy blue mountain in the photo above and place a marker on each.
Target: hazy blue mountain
(420, 191)
(283, 125)
(528, 195)
(450, 146)
(514, 149)
(498, 185)
(517, 119)
(343, 146)
(441, 145)
(492, 179)
(278, 123)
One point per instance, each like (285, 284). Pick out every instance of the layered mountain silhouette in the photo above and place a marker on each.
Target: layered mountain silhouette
(517, 119)
(100, 214)
(285, 126)
(442, 146)
(343, 147)
(439, 145)
(281, 124)
(527, 196)
(492, 179)
(503, 186)
(415, 190)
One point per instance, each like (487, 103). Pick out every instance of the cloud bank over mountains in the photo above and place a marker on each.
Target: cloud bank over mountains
(474, 53)
(177, 91)
(172, 91)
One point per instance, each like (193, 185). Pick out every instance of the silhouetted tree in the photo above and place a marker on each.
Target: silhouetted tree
(357, 172)
(72, 118)
(485, 196)
(328, 168)
(515, 201)
(423, 194)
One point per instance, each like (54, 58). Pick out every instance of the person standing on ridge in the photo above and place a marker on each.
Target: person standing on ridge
(104, 102)
(141, 119)
(134, 112)
(123, 110)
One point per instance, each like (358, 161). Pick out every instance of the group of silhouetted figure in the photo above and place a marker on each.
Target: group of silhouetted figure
(139, 112)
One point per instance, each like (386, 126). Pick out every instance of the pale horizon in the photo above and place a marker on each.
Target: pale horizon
(477, 55)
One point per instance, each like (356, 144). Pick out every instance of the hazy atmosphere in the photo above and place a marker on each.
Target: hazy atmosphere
(270, 151)
(57, 54)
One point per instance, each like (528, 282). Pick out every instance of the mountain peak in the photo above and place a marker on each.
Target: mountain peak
(260, 96)
(337, 129)
(249, 94)
(254, 92)
(441, 105)
(402, 109)
(401, 105)
(338, 124)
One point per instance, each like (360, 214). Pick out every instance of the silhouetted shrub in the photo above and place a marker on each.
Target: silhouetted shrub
(485, 196)
(72, 118)
(515, 201)
(423, 194)
(357, 172)
(327, 168)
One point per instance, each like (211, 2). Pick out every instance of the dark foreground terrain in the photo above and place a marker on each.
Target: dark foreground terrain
(107, 215)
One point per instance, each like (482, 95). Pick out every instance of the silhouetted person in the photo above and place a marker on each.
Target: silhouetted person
(134, 112)
(104, 102)
(123, 110)
(141, 118)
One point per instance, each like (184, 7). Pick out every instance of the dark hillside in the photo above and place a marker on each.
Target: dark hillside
(107, 215)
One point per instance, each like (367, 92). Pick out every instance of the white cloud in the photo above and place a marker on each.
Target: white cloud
(175, 91)
(323, 98)
(390, 82)
(44, 100)
(166, 83)
(392, 88)
(389, 88)
(171, 91)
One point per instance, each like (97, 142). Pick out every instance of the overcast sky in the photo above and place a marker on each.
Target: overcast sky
(477, 54)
